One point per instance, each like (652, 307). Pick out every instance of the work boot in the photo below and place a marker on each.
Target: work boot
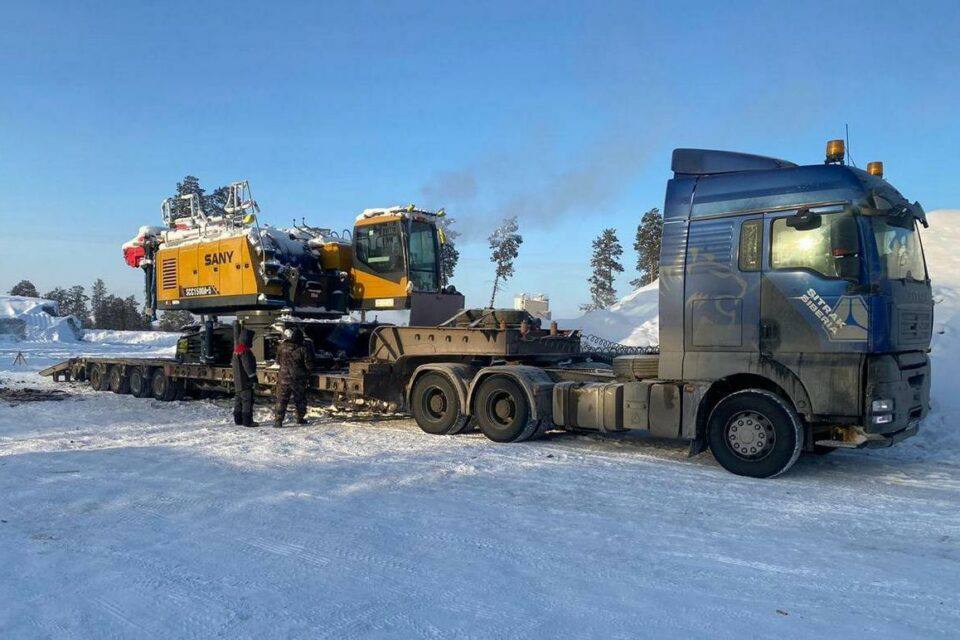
(237, 419)
(249, 422)
(301, 420)
(278, 424)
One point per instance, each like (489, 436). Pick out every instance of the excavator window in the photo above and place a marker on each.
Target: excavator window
(380, 247)
(423, 256)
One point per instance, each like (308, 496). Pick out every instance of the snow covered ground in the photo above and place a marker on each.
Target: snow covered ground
(131, 518)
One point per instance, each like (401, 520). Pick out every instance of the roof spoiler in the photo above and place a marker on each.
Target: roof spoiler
(699, 162)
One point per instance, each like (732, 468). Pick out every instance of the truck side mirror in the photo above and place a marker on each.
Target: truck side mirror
(846, 253)
(804, 220)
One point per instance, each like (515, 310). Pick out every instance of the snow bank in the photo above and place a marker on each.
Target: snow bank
(36, 320)
(940, 243)
(634, 320)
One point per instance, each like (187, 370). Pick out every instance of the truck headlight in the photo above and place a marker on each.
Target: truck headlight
(881, 406)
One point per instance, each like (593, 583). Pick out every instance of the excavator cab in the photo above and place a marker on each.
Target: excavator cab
(396, 265)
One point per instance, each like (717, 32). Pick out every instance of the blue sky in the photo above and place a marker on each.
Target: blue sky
(564, 114)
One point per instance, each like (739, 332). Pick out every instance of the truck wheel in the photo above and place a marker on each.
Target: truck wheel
(435, 405)
(139, 383)
(503, 411)
(755, 433)
(97, 378)
(118, 382)
(163, 387)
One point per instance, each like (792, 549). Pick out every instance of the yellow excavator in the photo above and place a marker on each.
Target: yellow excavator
(228, 264)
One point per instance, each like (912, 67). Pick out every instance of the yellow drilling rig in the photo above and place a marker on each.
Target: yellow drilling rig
(229, 265)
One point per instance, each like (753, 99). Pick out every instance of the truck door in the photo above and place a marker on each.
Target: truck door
(814, 320)
(722, 292)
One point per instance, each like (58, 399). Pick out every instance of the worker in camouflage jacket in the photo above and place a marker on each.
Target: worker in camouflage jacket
(295, 360)
(244, 379)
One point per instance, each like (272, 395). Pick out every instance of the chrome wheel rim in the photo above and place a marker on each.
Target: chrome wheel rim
(750, 435)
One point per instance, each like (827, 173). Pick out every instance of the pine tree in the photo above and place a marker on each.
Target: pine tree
(189, 185)
(62, 297)
(133, 318)
(606, 264)
(77, 299)
(504, 246)
(175, 320)
(213, 204)
(449, 256)
(98, 296)
(24, 288)
(647, 246)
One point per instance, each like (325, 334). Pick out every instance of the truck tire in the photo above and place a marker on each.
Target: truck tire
(98, 379)
(117, 380)
(139, 382)
(755, 433)
(503, 411)
(435, 405)
(163, 387)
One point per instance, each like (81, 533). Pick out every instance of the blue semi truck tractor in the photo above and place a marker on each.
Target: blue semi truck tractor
(795, 315)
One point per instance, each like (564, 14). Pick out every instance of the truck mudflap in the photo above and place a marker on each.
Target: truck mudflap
(857, 438)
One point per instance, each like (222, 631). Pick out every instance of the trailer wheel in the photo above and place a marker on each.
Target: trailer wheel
(118, 382)
(97, 378)
(755, 433)
(163, 387)
(139, 382)
(435, 405)
(503, 411)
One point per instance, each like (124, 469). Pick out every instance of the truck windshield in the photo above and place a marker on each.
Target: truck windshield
(829, 246)
(901, 255)
(423, 256)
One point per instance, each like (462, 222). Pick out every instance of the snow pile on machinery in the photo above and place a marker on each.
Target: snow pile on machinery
(36, 320)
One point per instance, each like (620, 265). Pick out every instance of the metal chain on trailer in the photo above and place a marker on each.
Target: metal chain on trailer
(590, 343)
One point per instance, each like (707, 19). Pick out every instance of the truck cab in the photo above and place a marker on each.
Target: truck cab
(807, 282)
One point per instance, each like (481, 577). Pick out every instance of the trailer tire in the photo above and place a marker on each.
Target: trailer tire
(97, 378)
(163, 387)
(755, 433)
(435, 405)
(503, 411)
(139, 382)
(118, 382)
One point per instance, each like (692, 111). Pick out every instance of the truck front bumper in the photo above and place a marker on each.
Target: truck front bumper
(857, 438)
(904, 380)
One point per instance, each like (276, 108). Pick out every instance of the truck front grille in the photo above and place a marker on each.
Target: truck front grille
(915, 326)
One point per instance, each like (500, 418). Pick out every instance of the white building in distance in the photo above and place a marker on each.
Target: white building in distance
(536, 304)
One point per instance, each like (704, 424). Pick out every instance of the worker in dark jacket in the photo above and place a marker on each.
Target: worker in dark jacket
(295, 360)
(244, 379)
